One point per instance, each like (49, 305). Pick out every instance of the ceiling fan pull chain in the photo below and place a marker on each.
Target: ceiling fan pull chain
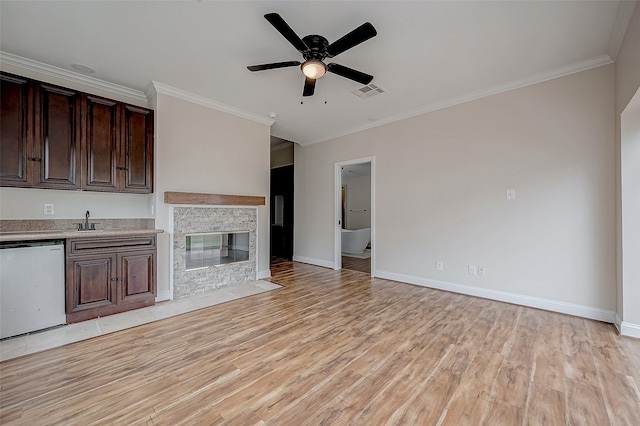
(326, 82)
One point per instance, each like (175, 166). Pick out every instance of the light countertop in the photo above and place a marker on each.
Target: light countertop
(63, 234)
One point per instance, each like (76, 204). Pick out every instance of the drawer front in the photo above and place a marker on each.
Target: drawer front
(83, 246)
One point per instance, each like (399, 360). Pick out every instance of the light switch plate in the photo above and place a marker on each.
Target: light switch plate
(511, 194)
(48, 210)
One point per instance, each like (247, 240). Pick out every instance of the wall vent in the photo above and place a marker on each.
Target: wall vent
(368, 91)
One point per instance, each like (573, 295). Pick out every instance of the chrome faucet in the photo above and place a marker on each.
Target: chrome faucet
(86, 227)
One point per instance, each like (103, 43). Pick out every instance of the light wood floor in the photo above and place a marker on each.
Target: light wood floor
(355, 264)
(336, 348)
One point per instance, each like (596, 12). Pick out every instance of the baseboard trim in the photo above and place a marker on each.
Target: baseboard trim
(617, 321)
(502, 296)
(164, 295)
(312, 261)
(261, 275)
(629, 329)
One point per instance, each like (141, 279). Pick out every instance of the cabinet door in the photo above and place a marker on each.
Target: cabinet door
(15, 144)
(57, 137)
(91, 283)
(137, 276)
(102, 135)
(136, 156)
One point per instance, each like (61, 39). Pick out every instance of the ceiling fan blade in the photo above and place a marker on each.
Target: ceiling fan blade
(309, 86)
(349, 73)
(362, 33)
(284, 29)
(273, 65)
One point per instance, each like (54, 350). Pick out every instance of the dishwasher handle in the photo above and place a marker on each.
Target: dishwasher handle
(24, 244)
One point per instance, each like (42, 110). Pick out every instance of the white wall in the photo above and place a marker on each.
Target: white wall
(28, 203)
(628, 63)
(631, 211)
(200, 149)
(628, 224)
(358, 213)
(440, 193)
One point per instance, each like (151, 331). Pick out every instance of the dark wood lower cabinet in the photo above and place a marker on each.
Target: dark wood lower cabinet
(137, 278)
(92, 282)
(109, 275)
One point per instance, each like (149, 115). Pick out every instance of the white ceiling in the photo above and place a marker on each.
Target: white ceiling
(426, 55)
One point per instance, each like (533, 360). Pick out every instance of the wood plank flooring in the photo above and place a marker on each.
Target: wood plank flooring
(336, 348)
(355, 264)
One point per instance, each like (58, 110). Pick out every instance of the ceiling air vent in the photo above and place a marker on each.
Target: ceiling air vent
(368, 91)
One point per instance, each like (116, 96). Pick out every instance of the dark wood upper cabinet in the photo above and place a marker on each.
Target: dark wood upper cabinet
(119, 141)
(102, 134)
(15, 115)
(136, 156)
(57, 137)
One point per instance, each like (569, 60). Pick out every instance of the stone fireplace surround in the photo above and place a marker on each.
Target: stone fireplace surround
(203, 219)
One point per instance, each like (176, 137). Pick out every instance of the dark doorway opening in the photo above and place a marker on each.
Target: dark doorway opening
(282, 213)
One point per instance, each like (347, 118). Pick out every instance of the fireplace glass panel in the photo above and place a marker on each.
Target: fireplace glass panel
(214, 249)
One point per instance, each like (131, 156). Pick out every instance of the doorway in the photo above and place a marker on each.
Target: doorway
(282, 213)
(354, 239)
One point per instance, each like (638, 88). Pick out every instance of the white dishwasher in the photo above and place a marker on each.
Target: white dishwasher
(32, 286)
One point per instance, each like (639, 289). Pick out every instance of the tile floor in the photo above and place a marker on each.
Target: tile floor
(47, 339)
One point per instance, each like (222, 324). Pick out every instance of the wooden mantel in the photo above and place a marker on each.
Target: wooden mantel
(213, 199)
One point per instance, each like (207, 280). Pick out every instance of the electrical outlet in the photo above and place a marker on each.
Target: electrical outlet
(473, 270)
(48, 210)
(481, 270)
(440, 265)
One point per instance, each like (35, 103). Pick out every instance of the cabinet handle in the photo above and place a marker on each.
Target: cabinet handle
(34, 159)
(115, 279)
(121, 168)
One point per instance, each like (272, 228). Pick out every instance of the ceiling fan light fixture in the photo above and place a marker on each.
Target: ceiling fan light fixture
(313, 68)
(314, 49)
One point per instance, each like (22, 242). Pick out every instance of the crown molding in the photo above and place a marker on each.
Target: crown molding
(70, 76)
(596, 62)
(155, 87)
(625, 12)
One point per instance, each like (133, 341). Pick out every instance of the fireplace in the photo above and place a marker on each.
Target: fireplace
(208, 250)
(213, 247)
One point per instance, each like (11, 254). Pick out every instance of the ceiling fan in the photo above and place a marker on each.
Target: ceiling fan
(315, 49)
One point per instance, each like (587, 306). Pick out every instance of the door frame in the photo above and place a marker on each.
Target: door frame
(337, 211)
